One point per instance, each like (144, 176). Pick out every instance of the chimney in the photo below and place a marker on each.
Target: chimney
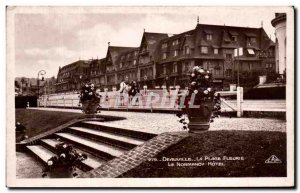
(108, 44)
(197, 19)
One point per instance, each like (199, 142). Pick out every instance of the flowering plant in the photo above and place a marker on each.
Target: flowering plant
(200, 92)
(88, 92)
(67, 157)
(89, 98)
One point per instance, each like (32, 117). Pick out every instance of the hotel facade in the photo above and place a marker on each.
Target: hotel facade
(162, 58)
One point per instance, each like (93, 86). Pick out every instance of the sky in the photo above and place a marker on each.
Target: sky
(47, 40)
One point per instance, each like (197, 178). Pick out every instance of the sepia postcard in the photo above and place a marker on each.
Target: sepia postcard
(185, 96)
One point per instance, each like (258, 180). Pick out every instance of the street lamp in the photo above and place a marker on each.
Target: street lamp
(42, 73)
(80, 81)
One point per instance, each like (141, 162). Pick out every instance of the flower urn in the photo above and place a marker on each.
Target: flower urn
(199, 117)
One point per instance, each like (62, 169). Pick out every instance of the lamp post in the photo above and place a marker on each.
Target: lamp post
(80, 81)
(42, 73)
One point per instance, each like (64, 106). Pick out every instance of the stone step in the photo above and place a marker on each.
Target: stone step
(106, 137)
(90, 163)
(132, 133)
(41, 152)
(104, 150)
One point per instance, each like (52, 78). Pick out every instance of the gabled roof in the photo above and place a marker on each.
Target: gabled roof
(153, 41)
(116, 51)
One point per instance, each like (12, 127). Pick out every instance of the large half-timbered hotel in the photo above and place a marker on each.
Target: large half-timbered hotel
(162, 55)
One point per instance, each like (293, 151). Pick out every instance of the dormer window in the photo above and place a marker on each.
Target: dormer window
(187, 50)
(252, 39)
(175, 42)
(234, 38)
(164, 45)
(234, 35)
(164, 55)
(204, 49)
(175, 53)
(216, 51)
(208, 36)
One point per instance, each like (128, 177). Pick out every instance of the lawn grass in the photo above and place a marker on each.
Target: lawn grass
(39, 121)
(254, 146)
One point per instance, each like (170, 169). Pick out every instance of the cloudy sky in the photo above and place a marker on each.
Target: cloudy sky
(49, 40)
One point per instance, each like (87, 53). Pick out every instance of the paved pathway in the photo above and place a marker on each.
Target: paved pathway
(162, 122)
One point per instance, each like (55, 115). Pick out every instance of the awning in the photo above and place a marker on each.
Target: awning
(251, 51)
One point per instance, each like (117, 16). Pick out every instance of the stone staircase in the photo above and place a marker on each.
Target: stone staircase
(100, 143)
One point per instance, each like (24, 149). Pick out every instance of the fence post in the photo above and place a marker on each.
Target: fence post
(151, 107)
(242, 99)
(239, 98)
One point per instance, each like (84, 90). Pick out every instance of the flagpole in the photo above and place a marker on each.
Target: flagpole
(238, 68)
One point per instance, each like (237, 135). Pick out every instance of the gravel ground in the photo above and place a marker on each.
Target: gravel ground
(162, 122)
(159, 122)
(28, 167)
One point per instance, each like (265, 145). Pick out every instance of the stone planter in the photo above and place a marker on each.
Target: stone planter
(199, 118)
(61, 172)
(90, 106)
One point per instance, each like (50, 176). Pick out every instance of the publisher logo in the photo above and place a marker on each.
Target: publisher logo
(273, 159)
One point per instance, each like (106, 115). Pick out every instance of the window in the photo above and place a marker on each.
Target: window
(164, 45)
(175, 42)
(251, 39)
(174, 67)
(150, 72)
(270, 53)
(234, 38)
(216, 51)
(134, 62)
(228, 56)
(187, 50)
(217, 71)
(175, 53)
(121, 65)
(204, 49)
(184, 67)
(164, 55)
(208, 36)
(251, 51)
(135, 53)
(269, 66)
(228, 72)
